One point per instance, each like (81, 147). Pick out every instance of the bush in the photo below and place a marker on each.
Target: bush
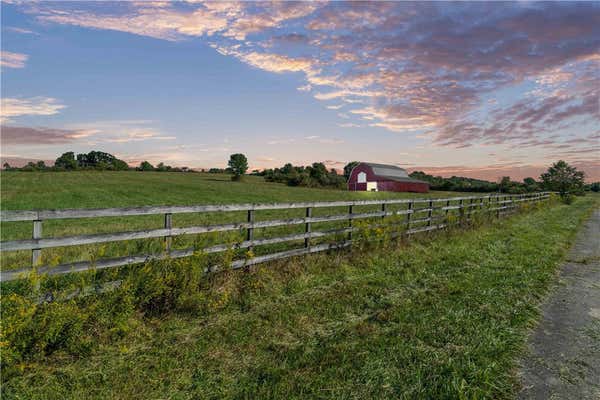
(567, 198)
(31, 330)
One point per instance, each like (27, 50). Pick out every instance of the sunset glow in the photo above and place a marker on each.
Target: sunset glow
(471, 89)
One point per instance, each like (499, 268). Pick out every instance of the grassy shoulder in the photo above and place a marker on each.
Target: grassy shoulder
(443, 318)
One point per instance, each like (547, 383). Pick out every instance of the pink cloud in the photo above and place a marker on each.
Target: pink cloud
(21, 135)
(12, 60)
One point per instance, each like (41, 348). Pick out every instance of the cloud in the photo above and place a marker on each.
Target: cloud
(91, 133)
(323, 140)
(276, 63)
(13, 107)
(402, 66)
(147, 20)
(137, 135)
(22, 31)
(170, 21)
(13, 60)
(277, 141)
(349, 125)
(22, 135)
(267, 15)
(122, 131)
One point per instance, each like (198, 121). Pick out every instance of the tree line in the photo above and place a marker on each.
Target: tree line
(560, 177)
(462, 184)
(315, 175)
(94, 160)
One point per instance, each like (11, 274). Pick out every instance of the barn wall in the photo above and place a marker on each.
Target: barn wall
(393, 186)
(357, 186)
(383, 185)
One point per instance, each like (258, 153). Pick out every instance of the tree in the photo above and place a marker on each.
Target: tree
(594, 187)
(504, 184)
(287, 169)
(146, 166)
(100, 160)
(238, 164)
(531, 185)
(7, 166)
(348, 168)
(66, 161)
(318, 172)
(31, 166)
(120, 165)
(563, 178)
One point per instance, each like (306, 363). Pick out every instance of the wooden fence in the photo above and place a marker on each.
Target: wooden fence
(426, 221)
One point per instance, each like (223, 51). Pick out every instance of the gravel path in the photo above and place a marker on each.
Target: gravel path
(563, 361)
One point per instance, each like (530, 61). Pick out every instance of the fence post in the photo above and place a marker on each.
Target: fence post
(470, 210)
(429, 213)
(410, 208)
(446, 214)
(250, 230)
(498, 205)
(350, 222)
(383, 208)
(168, 225)
(36, 254)
(461, 212)
(307, 228)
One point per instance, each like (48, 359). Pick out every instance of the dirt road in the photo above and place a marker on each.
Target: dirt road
(563, 361)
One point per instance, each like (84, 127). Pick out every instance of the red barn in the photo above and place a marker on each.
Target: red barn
(381, 177)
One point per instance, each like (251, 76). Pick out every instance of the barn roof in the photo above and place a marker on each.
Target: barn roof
(391, 172)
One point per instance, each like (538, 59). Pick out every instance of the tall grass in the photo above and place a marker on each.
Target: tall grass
(439, 316)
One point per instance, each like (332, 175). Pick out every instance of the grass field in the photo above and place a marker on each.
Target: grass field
(95, 189)
(100, 189)
(443, 319)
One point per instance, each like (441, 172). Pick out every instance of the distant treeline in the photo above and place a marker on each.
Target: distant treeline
(94, 160)
(462, 184)
(315, 175)
(506, 185)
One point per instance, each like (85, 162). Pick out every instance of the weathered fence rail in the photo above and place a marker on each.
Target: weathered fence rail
(465, 206)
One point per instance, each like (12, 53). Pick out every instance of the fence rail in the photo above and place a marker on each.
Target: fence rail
(465, 206)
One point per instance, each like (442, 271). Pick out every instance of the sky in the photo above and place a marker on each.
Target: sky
(471, 89)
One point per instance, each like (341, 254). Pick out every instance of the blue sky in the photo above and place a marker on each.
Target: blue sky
(472, 89)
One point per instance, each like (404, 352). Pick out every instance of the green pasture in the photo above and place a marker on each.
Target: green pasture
(103, 189)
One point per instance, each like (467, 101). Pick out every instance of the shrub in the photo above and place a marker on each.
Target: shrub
(567, 198)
